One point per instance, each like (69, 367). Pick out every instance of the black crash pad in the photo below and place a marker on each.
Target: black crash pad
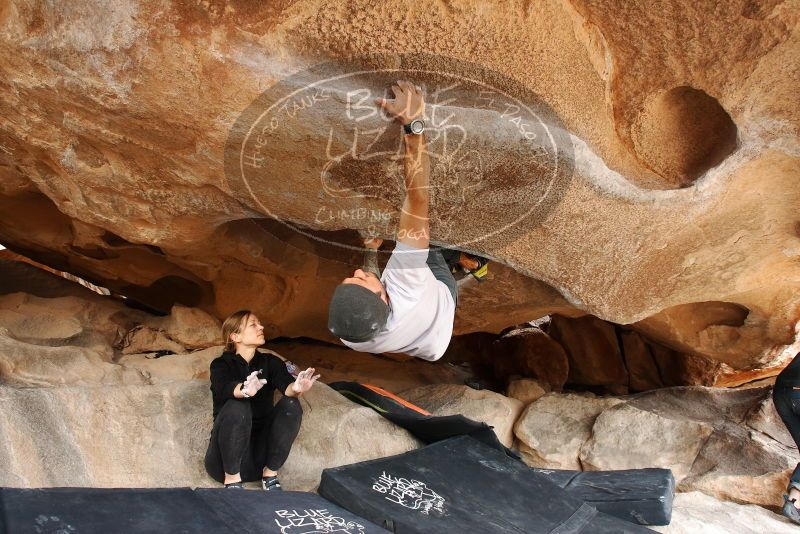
(173, 511)
(462, 485)
(641, 496)
(284, 512)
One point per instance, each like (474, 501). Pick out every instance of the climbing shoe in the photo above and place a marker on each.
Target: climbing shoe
(475, 265)
(472, 265)
(481, 272)
(271, 484)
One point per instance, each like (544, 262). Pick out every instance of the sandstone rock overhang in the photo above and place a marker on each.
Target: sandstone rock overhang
(678, 212)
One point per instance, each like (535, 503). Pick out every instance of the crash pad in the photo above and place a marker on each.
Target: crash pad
(641, 496)
(173, 510)
(462, 485)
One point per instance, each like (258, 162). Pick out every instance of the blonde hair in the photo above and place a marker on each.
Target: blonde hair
(233, 325)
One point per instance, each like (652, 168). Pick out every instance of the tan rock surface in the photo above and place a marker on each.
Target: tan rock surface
(108, 170)
(157, 435)
(143, 339)
(625, 437)
(526, 390)
(714, 440)
(25, 364)
(173, 367)
(764, 418)
(41, 328)
(122, 436)
(191, 327)
(698, 513)
(552, 430)
(491, 408)
(738, 462)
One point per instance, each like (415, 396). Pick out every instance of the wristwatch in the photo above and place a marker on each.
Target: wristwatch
(415, 127)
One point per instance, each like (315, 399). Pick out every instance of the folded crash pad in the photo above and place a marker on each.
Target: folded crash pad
(179, 510)
(462, 485)
(641, 496)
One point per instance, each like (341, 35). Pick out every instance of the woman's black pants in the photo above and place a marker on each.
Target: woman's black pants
(787, 403)
(239, 446)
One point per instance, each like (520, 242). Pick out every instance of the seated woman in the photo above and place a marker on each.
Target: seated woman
(251, 438)
(786, 396)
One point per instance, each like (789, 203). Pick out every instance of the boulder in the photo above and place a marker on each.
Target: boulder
(741, 466)
(172, 367)
(489, 407)
(530, 352)
(26, 364)
(184, 329)
(40, 328)
(679, 369)
(591, 345)
(120, 436)
(82, 320)
(191, 327)
(643, 372)
(625, 437)
(551, 430)
(142, 339)
(764, 418)
(527, 390)
(157, 435)
(702, 434)
(737, 462)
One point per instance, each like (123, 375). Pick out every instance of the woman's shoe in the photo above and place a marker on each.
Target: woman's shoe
(235, 485)
(790, 510)
(271, 484)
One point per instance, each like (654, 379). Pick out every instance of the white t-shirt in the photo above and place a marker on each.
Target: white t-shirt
(421, 308)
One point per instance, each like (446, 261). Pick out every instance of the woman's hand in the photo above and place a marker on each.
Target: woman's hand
(253, 384)
(304, 381)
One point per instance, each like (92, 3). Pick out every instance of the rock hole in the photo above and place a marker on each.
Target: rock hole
(682, 133)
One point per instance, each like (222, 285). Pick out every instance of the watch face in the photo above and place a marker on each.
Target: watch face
(417, 126)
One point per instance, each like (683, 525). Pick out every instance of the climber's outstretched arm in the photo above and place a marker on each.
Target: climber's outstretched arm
(408, 104)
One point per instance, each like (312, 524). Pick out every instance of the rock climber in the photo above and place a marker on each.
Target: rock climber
(251, 438)
(411, 307)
